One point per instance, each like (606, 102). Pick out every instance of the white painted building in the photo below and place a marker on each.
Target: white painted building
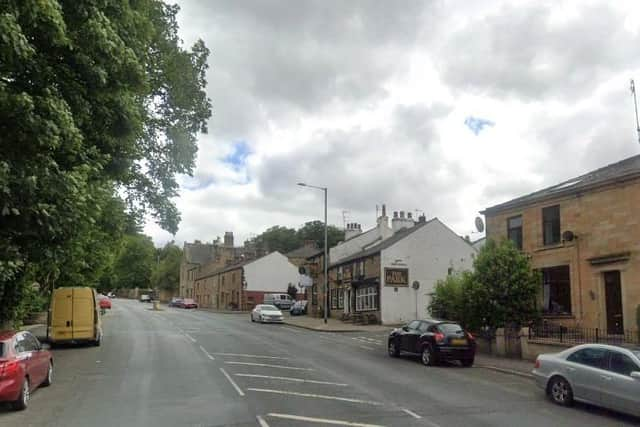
(357, 241)
(270, 274)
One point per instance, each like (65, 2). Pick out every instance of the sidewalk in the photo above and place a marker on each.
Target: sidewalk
(502, 364)
(332, 325)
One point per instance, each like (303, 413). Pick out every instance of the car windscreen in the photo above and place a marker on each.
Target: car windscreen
(636, 352)
(268, 308)
(450, 328)
(2, 349)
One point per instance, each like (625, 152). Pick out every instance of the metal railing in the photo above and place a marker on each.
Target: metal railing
(552, 333)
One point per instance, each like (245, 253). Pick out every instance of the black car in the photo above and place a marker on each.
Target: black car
(298, 307)
(434, 340)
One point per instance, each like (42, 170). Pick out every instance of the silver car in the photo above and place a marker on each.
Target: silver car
(266, 313)
(602, 375)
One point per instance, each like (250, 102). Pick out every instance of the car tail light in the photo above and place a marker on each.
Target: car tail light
(470, 336)
(537, 364)
(439, 337)
(9, 368)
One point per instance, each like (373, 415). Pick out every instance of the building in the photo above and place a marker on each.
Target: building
(479, 244)
(376, 282)
(584, 237)
(242, 285)
(299, 256)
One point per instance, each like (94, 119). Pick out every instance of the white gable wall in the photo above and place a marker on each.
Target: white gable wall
(428, 253)
(271, 273)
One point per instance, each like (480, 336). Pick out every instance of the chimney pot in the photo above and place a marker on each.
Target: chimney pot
(409, 215)
(395, 214)
(401, 214)
(384, 210)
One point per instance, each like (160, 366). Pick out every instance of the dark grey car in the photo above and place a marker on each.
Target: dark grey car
(599, 374)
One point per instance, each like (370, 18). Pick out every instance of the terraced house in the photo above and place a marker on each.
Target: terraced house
(583, 234)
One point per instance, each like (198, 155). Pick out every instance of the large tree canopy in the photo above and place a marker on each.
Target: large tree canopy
(100, 107)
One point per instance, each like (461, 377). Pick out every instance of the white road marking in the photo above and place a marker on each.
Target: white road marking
(190, 337)
(321, 420)
(316, 396)
(268, 366)
(366, 348)
(413, 414)
(261, 421)
(233, 383)
(207, 353)
(298, 380)
(291, 329)
(251, 355)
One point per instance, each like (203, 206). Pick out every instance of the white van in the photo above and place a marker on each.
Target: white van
(282, 301)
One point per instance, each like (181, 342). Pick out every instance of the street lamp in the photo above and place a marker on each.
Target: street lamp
(326, 254)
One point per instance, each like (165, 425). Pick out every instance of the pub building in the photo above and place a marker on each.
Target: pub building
(391, 282)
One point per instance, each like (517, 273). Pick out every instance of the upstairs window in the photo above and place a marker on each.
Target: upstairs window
(514, 230)
(551, 225)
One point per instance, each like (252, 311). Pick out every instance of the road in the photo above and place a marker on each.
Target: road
(176, 368)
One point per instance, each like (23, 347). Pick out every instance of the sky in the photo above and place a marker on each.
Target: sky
(425, 106)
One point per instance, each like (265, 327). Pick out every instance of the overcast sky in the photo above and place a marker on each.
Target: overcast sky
(422, 105)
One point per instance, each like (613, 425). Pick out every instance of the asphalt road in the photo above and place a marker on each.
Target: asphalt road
(196, 368)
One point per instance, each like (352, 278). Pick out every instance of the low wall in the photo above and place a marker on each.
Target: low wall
(531, 348)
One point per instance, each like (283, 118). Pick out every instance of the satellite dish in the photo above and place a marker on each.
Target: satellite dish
(568, 236)
(415, 285)
(479, 224)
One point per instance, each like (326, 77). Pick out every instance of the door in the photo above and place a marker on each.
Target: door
(620, 391)
(410, 337)
(38, 360)
(613, 301)
(84, 308)
(585, 369)
(61, 314)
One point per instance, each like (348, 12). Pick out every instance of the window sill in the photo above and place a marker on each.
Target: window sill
(550, 247)
(558, 316)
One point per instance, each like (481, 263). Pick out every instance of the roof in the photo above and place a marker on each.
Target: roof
(302, 252)
(316, 252)
(198, 253)
(625, 169)
(397, 236)
(235, 266)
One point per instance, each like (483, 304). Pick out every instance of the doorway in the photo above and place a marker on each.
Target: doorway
(613, 301)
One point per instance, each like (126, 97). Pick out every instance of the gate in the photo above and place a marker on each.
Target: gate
(512, 345)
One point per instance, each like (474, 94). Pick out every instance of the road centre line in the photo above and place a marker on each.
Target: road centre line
(317, 396)
(297, 380)
(207, 353)
(233, 383)
(268, 366)
(320, 420)
(413, 414)
(251, 355)
(366, 348)
(261, 421)
(190, 337)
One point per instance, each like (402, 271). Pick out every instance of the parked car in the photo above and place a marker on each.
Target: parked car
(282, 301)
(74, 317)
(145, 298)
(266, 313)
(298, 308)
(175, 302)
(599, 374)
(25, 365)
(434, 340)
(187, 303)
(111, 295)
(105, 303)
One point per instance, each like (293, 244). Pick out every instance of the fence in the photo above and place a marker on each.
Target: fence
(572, 335)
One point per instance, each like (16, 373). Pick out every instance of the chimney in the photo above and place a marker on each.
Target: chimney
(400, 221)
(422, 218)
(384, 210)
(353, 229)
(310, 244)
(409, 215)
(228, 239)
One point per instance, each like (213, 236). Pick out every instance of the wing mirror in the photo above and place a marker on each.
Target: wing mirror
(635, 375)
(405, 328)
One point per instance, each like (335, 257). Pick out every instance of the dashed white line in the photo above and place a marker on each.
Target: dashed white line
(251, 355)
(297, 380)
(413, 414)
(269, 366)
(261, 421)
(207, 353)
(233, 383)
(320, 420)
(316, 396)
(190, 337)
(366, 348)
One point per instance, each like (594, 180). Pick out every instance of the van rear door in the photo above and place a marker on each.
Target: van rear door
(83, 311)
(62, 314)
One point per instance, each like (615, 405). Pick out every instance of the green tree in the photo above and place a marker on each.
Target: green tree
(135, 262)
(314, 230)
(166, 274)
(277, 238)
(98, 101)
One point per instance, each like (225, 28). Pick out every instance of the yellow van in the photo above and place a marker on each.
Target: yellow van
(74, 316)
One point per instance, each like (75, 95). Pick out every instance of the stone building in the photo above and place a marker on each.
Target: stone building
(583, 235)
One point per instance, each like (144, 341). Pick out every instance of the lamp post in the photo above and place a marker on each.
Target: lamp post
(326, 254)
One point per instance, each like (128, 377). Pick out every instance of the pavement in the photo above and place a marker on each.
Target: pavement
(196, 368)
(332, 325)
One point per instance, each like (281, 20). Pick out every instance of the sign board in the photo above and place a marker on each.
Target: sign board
(305, 281)
(396, 277)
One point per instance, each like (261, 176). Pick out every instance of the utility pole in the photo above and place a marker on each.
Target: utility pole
(635, 104)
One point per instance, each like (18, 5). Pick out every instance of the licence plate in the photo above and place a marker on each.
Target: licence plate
(458, 341)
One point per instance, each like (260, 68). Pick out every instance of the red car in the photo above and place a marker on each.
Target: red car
(105, 303)
(25, 364)
(188, 303)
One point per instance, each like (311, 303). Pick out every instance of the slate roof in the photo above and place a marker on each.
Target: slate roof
(626, 169)
(198, 253)
(302, 252)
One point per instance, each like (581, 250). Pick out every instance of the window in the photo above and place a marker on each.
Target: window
(367, 298)
(334, 298)
(449, 328)
(314, 294)
(621, 364)
(551, 225)
(414, 324)
(340, 298)
(594, 357)
(423, 327)
(514, 230)
(556, 290)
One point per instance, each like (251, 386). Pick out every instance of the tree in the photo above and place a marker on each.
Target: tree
(502, 290)
(292, 291)
(166, 275)
(314, 231)
(99, 103)
(135, 262)
(277, 238)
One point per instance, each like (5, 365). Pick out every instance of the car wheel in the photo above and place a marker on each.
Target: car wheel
(49, 379)
(560, 391)
(25, 395)
(467, 363)
(427, 358)
(261, 319)
(98, 341)
(252, 319)
(394, 351)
